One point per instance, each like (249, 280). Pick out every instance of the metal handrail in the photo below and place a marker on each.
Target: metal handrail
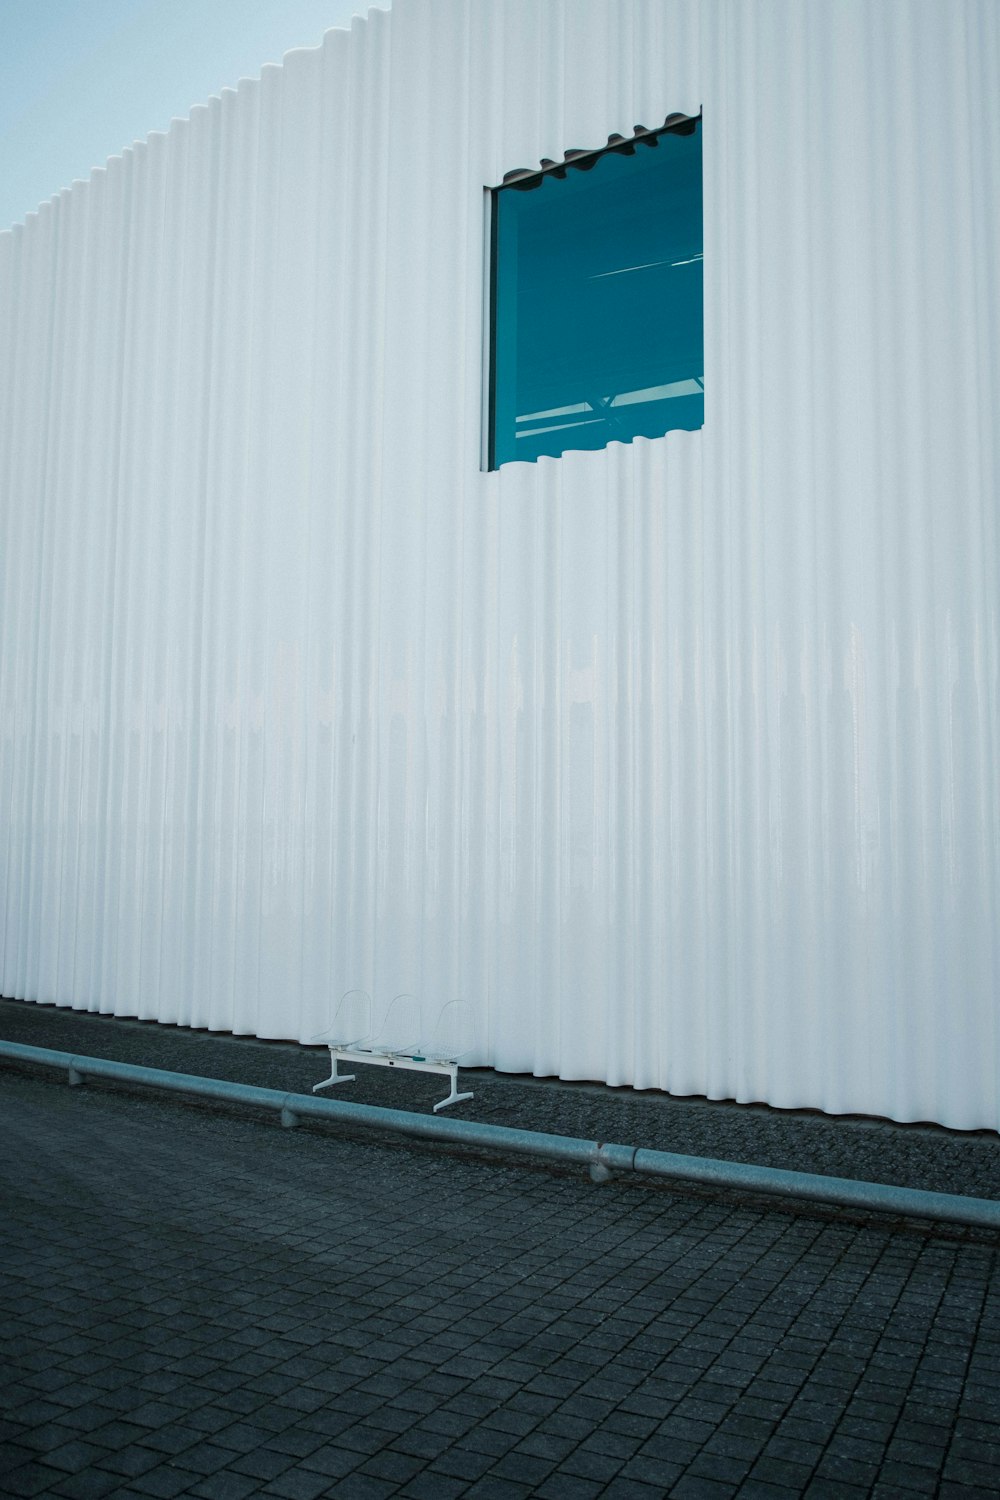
(603, 1160)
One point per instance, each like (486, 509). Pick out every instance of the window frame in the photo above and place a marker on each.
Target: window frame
(522, 179)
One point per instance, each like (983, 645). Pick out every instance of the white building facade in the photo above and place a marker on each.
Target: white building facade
(677, 760)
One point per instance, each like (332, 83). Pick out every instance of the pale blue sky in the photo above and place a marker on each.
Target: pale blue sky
(82, 79)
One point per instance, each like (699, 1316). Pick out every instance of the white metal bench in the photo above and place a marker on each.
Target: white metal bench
(399, 1043)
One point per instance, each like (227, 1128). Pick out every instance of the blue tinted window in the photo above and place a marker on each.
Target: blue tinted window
(597, 300)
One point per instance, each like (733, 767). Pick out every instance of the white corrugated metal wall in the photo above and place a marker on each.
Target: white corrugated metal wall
(677, 760)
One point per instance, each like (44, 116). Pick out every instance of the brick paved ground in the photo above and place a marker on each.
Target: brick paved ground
(197, 1302)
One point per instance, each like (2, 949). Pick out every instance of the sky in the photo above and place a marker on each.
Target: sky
(82, 79)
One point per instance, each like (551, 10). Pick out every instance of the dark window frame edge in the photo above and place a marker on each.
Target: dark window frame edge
(523, 179)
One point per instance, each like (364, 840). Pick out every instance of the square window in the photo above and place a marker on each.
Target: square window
(596, 314)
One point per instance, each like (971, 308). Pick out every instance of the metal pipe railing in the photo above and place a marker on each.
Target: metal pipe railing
(602, 1159)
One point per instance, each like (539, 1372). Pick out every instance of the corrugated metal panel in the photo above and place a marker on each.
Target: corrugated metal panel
(678, 760)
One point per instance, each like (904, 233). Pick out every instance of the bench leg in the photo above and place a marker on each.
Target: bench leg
(454, 1097)
(334, 1077)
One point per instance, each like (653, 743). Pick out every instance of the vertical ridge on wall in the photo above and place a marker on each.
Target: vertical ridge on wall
(677, 760)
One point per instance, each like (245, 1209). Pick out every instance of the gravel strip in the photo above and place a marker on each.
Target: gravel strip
(919, 1156)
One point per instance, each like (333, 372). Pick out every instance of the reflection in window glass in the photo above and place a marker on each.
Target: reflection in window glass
(597, 300)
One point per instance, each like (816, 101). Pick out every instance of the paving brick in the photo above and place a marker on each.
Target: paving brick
(27, 1480)
(13, 1454)
(298, 1484)
(793, 1474)
(157, 1414)
(630, 1489)
(170, 1440)
(612, 1444)
(427, 1486)
(767, 1489)
(904, 1479)
(333, 1461)
(261, 1463)
(28, 1410)
(847, 1471)
(522, 1468)
(89, 1484)
(462, 1463)
(656, 1471)
(965, 1471)
(363, 1438)
(393, 1464)
(363, 1487)
(988, 1453)
(722, 1467)
(823, 1488)
(117, 1434)
(74, 1456)
(696, 1487)
(491, 1488)
(487, 1440)
(226, 1485)
(130, 1462)
(560, 1486)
